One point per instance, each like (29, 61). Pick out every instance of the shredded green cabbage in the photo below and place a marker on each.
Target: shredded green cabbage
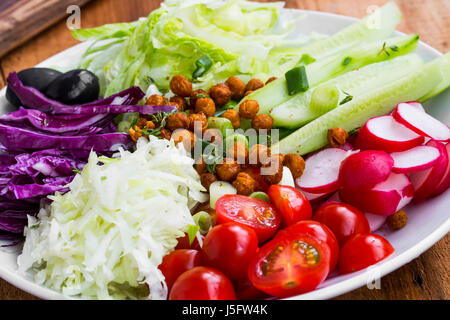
(105, 238)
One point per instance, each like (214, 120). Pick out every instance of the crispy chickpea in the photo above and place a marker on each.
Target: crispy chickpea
(245, 185)
(150, 125)
(254, 84)
(337, 137)
(228, 170)
(198, 120)
(271, 79)
(196, 94)
(272, 170)
(206, 106)
(165, 134)
(186, 137)
(180, 102)
(259, 154)
(178, 121)
(207, 179)
(200, 166)
(134, 135)
(141, 123)
(238, 152)
(237, 88)
(156, 100)
(181, 86)
(249, 109)
(295, 163)
(213, 136)
(221, 94)
(262, 122)
(233, 116)
(398, 220)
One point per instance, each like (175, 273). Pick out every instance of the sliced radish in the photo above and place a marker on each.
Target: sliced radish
(416, 159)
(417, 105)
(421, 123)
(445, 181)
(385, 198)
(365, 169)
(426, 182)
(321, 171)
(387, 134)
(347, 147)
(315, 197)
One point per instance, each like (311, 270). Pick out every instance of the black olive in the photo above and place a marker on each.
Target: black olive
(38, 78)
(74, 87)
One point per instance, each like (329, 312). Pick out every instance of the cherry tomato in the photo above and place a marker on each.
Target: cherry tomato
(229, 247)
(362, 251)
(177, 262)
(290, 264)
(320, 232)
(245, 290)
(343, 219)
(202, 283)
(184, 243)
(291, 203)
(259, 215)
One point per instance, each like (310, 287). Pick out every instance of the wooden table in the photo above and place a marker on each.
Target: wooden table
(427, 277)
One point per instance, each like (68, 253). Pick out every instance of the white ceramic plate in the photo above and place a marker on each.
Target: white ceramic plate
(428, 222)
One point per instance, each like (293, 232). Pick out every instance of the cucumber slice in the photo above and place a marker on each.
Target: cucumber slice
(297, 111)
(355, 113)
(276, 92)
(444, 62)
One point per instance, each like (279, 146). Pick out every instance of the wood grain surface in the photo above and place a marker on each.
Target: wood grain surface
(427, 277)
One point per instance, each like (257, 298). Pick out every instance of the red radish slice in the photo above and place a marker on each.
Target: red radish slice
(426, 182)
(384, 199)
(445, 182)
(387, 134)
(314, 197)
(416, 159)
(321, 171)
(365, 169)
(417, 105)
(375, 221)
(421, 123)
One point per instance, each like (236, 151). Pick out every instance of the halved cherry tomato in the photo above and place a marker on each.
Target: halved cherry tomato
(343, 219)
(229, 247)
(291, 203)
(362, 251)
(177, 262)
(184, 243)
(320, 232)
(259, 215)
(202, 283)
(290, 264)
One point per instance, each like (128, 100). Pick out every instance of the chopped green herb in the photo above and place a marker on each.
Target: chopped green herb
(75, 170)
(203, 65)
(346, 61)
(306, 59)
(35, 226)
(348, 98)
(297, 80)
(192, 232)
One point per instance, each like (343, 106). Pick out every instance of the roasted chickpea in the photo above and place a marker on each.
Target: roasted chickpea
(213, 136)
(207, 179)
(141, 123)
(259, 154)
(198, 120)
(337, 137)
(295, 163)
(165, 134)
(221, 94)
(200, 166)
(233, 116)
(238, 152)
(206, 106)
(249, 109)
(180, 102)
(186, 137)
(181, 86)
(156, 100)
(272, 170)
(150, 125)
(134, 135)
(178, 121)
(262, 122)
(271, 79)
(228, 170)
(254, 84)
(237, 88)
(244, 184)
(196, 94)
(398, 220)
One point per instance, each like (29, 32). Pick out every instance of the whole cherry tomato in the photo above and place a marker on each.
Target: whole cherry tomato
(259, 215)
(320, 232)
(290, 264)
(184, 243)
(291, 203)
(202, 283)
(343, 219)
(362, 251)
(177, 262)
(229, 247)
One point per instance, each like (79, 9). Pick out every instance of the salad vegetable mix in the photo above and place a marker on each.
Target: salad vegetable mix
(208, 151)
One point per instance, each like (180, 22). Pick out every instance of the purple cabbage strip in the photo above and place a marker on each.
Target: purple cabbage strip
(50, 186)
(117, 109)
(13, 225)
